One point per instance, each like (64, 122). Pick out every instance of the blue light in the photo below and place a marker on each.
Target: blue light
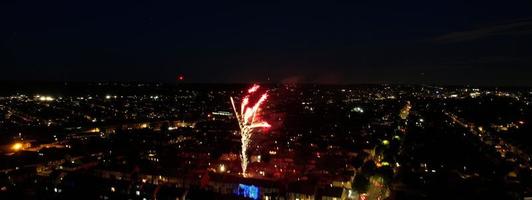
(249, 191)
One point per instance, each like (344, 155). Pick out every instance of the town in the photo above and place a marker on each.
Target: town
(110, 140)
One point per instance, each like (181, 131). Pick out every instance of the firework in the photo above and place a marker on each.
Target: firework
(249, 120)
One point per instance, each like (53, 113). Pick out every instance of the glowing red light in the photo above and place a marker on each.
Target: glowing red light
(253, 88)
(180, 77)
(249, 114)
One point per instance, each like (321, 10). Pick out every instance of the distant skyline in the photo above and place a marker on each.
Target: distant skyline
(449, 43)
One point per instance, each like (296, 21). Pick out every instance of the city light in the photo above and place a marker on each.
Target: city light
(358, 110)
(45, 98)
(248, 121)
(17, 146)
(221, 168)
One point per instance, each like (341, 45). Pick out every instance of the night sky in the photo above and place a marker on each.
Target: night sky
(433, 42)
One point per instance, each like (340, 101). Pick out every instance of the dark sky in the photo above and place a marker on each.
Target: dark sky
(442, 42)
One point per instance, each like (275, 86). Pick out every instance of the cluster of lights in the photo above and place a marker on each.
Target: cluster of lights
(45, 98)
(109, 96)
(358, 110)
(17, 146)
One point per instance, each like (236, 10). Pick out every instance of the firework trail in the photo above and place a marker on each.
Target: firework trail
(248, 121)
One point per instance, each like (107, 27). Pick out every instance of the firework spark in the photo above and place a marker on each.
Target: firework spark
(248, 121)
